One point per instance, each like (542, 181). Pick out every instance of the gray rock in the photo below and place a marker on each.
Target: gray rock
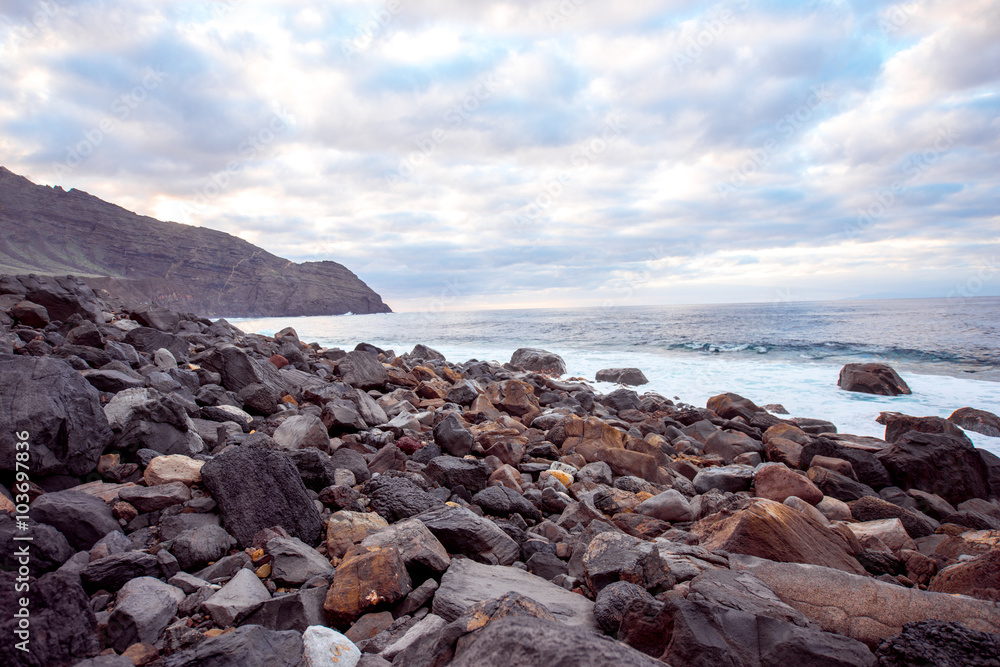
(237, 599)
(59, 410)
(225, 567)
(296, 611)
(149, 340)
(114, 571)
(503, 502)
(450, 471)
(416, 544)
(630, 376)
(613, 556)
(520, 640)
(348, 459)
(396, 498)
(363, 370)
(542, 361)
(258, 488)
(940, 644)
(370, 412)
(613, 600)
(302, 431)
(466, 583)
(142, 611)
(731, 478)
(463, 532)
(152, 498)
(462, 392)
(112, 380)
(546, 565)
(598, 472)
(187, 582)
(452, 436)
(83, 519)
(49, 548)
(198, 546)
(62, 627)
(174, 525)
(670, 506)
(295, 562)
(246, 646)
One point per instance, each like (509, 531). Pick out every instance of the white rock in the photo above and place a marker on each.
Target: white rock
(163, 358)
(428, 625)
(173, 468)
(323, 647)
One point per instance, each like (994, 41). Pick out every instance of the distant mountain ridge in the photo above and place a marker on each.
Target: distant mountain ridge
(139, 260)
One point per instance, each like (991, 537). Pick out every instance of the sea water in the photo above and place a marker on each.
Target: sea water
(947, 350)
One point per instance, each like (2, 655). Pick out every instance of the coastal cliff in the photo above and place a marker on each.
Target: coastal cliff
(140, 260)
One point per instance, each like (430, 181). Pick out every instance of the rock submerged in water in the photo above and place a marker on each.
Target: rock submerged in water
(979, 421)
(473, 513)
(878, 379)
(629, 376)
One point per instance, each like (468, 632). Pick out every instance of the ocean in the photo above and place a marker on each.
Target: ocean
(947, 350)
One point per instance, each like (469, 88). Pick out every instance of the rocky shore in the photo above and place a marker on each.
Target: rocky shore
(178, 492)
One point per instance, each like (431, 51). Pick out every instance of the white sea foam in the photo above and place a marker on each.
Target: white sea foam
(807, 388)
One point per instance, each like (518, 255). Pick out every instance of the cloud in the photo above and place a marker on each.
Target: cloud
(519, 153)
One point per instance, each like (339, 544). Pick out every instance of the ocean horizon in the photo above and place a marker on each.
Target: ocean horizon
(790, 353)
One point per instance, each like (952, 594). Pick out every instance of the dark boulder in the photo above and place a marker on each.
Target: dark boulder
(630, 376)
(62, 297)
(937, 463)
(463, 532)
(503, 502)
(62, 630)
(540, 361)
(452, 435)
(58, 410)
(979, 421)
(613, 600)
(524, 640)
(257, 488)
(49, 548)
(363, 370)
(145, 339)
(897, 424)
(940, 644)
(396, 498)
(83, 519)
(450, 471)
(872, 379)
(730, 406)
(246, 646)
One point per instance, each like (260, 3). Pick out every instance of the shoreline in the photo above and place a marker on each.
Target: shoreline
(199, 491)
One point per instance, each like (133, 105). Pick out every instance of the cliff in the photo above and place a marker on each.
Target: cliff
(138, 259)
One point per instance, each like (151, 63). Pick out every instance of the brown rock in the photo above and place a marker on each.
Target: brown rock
(768, 529)
(837, 465)
(777, 482)
(514, 397)
(368, 579)
(979, 577)
(730, 406)
(173, 468)
(889, 531)
(346, 529)
(369, 625)
(591, 430)
(787, 432)
(141, 654)
(979, 421)
(872, 379)
(622, 461)
(897, 424)
(506, 475)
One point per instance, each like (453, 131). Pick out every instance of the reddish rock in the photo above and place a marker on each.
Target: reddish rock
(278, 361)
(979, 421)
(897, 424)
(872, 379)
(345, 529)
(780, 450)
(979, 577)
(730, 406)
(513, 397)
(768, 529)
(776, 482)
(408, 444)
(369, 579)
(788, 432)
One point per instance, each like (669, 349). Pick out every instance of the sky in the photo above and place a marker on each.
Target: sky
(556, 153)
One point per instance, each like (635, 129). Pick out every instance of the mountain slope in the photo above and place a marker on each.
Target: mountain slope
(139, 259)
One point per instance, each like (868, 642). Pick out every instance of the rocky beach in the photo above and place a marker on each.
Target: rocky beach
(179, 492)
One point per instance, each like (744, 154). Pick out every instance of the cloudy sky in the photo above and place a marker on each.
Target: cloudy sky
(484, 154)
